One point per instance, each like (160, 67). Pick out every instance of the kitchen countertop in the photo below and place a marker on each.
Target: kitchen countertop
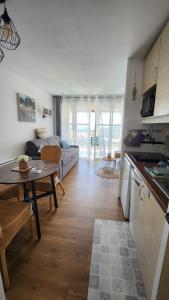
(159, 195)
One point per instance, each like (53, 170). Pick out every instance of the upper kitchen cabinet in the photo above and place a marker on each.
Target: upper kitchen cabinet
(151, 65)
(162, 92)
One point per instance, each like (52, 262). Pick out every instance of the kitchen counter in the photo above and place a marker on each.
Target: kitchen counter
(159, 195)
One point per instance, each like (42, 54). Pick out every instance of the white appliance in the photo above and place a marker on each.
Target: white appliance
(125, 186)
(134, 199)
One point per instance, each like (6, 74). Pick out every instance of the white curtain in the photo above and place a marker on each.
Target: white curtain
(93, 123)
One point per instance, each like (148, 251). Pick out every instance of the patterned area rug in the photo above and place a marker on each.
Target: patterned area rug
(106, 172)
(114, 271)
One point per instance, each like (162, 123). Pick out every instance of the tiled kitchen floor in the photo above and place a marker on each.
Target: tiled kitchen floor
(114, 272)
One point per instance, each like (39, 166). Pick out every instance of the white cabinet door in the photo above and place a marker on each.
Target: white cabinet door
(162, 93)
(149, 231)
(151, 62)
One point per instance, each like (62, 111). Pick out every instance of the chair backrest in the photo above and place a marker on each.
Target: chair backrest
(117, 154)
(51, 153)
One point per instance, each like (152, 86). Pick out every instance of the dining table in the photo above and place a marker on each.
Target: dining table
(39, 169)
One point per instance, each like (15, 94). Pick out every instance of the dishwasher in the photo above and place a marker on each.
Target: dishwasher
(134, 199)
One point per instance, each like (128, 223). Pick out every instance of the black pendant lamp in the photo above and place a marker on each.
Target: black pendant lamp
(9, 37)
(1, 55)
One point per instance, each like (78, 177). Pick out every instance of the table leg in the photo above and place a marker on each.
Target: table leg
(26, 193)
(54, 190)
(35, 210)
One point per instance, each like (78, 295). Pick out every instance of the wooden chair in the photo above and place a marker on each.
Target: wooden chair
(50, 153)
(8, 191)
(13, 216)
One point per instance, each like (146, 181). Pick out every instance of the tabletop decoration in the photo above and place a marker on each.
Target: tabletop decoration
(23, 162)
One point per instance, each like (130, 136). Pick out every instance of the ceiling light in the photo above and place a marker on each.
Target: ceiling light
(1, 55)
(9, 37)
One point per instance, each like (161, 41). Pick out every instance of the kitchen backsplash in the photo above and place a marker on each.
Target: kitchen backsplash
(157, 131)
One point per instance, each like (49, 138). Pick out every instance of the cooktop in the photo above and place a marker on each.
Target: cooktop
(163, 185)
(149, 157)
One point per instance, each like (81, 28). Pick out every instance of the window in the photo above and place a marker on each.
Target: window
(96, 132)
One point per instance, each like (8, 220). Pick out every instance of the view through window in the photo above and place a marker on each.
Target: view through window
(96, 132)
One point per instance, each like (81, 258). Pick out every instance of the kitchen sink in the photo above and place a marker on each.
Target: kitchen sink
(158, 172)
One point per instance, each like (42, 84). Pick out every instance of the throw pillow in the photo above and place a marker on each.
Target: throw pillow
(64, 144)
(41, 133)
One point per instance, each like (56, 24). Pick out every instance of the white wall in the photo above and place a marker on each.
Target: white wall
(14, 134)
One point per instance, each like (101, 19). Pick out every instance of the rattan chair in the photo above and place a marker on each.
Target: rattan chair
(50, 153)
(8, 191)
(13, 216)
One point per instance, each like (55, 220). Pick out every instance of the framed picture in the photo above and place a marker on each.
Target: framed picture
(26, 108)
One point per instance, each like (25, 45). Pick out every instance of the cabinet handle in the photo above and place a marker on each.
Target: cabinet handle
(140, 192)
(155, 74)
(138, 184)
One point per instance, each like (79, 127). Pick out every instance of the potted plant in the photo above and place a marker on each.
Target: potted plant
(23, 162)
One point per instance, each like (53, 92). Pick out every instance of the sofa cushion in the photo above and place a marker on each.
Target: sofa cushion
(68, 154)
(53, 140)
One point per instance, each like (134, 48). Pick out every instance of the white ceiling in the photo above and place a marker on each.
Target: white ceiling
(82, 46)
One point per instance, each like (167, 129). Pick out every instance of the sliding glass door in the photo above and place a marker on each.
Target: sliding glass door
(95, 128)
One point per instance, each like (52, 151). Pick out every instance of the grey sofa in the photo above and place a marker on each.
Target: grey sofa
(69, 157)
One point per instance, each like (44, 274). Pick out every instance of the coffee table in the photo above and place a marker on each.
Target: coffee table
(110, 164)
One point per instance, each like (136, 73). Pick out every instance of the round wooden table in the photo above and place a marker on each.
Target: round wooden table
(47, 169)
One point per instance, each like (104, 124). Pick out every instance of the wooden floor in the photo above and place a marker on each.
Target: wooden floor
(57, 267)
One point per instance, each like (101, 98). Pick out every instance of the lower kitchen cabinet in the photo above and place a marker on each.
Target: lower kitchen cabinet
(149, 227)
(161, 285)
